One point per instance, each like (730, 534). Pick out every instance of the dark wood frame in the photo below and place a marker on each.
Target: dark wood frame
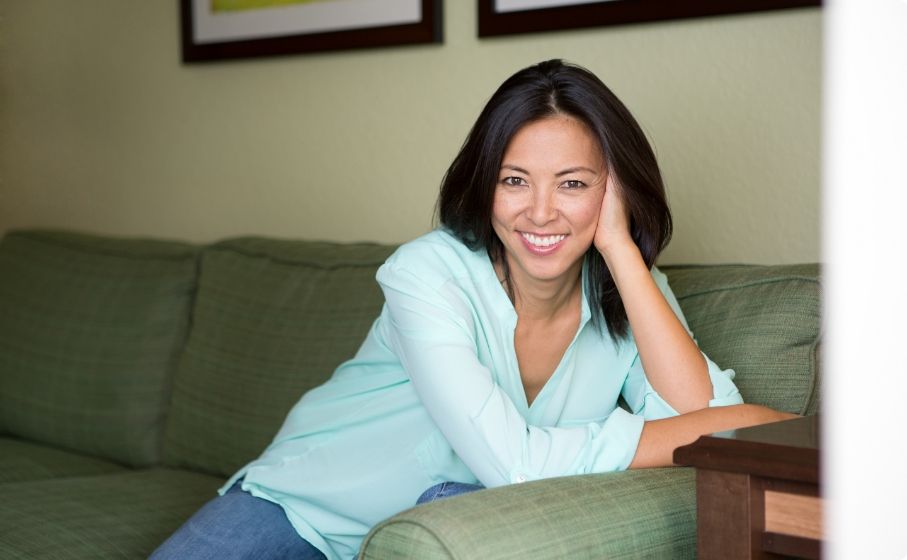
(428, 30)
(617, 12)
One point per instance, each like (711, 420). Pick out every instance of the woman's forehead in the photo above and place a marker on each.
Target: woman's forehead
(559, 139)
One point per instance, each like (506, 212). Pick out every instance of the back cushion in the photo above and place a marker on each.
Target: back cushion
(272, 319)
(90, 328)
(761, 321)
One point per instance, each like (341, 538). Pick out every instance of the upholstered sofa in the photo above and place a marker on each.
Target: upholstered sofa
(137, 374)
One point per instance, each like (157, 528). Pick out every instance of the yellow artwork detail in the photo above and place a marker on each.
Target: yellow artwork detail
(236, 5)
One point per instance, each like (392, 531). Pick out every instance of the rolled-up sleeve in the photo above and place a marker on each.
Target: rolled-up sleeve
(644, 400)
(432, 331)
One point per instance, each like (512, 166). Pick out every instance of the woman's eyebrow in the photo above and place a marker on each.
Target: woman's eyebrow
(570, 170)
(558, 174)
(515, 168)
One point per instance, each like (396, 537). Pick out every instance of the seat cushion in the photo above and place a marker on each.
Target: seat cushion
(761, 321)
(111, 516)
(23, 460)
(272, 319)
(90, 328)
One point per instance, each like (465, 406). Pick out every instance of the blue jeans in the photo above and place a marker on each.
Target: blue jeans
(447, 490)
(238, 525)
(234, 526)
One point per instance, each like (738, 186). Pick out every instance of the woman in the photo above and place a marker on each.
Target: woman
(507, 337)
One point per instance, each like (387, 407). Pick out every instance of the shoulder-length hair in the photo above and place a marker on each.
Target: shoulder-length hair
(543, 90)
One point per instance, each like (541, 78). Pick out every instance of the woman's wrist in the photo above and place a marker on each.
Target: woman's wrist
(616, 251)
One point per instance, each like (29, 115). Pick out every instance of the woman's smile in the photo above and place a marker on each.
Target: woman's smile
(542, 244)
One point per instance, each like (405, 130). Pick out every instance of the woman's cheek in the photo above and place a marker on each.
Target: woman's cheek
(584, 213)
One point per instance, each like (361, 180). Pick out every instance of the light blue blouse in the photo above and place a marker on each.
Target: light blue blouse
(435, 394)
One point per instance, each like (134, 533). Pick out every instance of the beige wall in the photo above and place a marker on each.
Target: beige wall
(103, 129)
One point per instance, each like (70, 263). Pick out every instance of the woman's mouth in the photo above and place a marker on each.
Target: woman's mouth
(542, 244)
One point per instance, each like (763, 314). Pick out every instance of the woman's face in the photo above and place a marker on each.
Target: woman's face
(548, 197)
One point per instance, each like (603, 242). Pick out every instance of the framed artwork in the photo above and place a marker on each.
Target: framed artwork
(220, 29)
(508, 17)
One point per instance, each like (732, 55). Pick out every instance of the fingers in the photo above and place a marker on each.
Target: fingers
(613, 223)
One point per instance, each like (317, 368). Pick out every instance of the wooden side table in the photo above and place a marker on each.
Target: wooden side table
(757, 491)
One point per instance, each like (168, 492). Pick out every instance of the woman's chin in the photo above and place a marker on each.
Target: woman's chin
(553, 271)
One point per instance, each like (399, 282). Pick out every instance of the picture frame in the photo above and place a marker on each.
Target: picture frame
(510, 17)
(231, 29)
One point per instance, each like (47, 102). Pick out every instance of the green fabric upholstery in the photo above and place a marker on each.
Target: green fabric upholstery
(272, 320)
(22, 460)
(90, 329)
(99, 517)
(590, 516)
(761, 321)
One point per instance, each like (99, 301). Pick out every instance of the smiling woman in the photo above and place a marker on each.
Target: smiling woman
(507, 338)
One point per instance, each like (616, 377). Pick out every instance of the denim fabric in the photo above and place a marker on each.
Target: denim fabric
(447, 490)
(237, 525)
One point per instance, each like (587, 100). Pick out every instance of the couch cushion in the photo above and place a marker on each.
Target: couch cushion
(90, 328)
(272, 319)
(112, 516)
(588, 516)
(22, 460)
(761, 321)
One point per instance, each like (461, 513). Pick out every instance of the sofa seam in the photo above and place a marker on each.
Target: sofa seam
(177, 362)
(295, 262)
(733, 265)
(751, 284)
(815, 378)
(188, 251)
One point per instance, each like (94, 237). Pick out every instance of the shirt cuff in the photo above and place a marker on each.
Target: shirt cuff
(620, 435)
(724, 392)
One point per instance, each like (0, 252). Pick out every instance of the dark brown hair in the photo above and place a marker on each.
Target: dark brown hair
(544, 90)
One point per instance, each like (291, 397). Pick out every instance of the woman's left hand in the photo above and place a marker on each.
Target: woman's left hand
(613, 228)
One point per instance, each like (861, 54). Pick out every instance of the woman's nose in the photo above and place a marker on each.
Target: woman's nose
(541, 208)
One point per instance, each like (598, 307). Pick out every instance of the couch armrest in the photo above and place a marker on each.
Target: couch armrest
(643, 513)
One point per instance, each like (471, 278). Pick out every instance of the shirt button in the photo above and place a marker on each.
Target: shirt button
(521, 478)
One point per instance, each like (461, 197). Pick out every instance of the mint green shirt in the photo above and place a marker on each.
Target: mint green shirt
(435, 394)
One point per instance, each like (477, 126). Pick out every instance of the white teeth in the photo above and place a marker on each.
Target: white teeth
(543, 241)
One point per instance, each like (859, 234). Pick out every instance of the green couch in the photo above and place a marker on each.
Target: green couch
(136, 375)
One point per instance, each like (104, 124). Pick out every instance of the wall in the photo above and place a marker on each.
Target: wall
(103, 129)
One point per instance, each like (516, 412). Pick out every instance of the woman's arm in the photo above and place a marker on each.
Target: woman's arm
(673, 363)
(661, 437)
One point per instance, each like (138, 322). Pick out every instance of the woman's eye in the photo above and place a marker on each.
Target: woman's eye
(513, 181)
(573, 184)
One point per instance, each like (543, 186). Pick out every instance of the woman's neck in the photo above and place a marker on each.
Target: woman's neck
(543, 299)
